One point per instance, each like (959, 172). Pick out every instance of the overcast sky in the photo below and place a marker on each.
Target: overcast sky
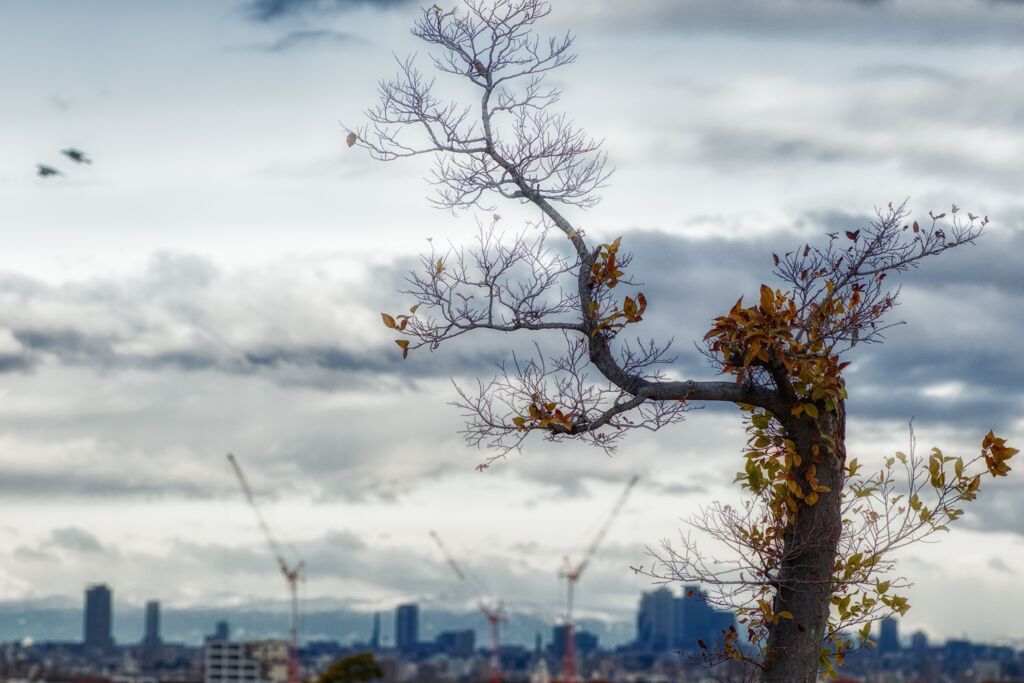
(213, 282)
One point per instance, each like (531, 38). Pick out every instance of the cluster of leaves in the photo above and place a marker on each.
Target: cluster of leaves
(543, 415)
(400, 323)
(771, 336)
(605, 274)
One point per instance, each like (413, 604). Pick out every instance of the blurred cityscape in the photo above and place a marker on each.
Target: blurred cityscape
(665, 647)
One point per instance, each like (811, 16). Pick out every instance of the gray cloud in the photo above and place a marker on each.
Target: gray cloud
(271, 10)
(63, 541)
(76, 540)
(180, 324)
(854, 20)
(179, 315)
(296, 40)
(738, 148)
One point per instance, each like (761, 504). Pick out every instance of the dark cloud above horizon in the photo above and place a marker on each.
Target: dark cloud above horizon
(180, 324)
(306, 39)
(272, 10)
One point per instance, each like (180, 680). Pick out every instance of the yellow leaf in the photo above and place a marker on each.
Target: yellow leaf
(388, 320)
(811, 410)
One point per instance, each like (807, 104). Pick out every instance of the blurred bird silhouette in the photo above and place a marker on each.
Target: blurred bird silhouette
(76, 155)
(44, 171)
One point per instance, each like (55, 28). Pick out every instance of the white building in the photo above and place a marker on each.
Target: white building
(255, 662)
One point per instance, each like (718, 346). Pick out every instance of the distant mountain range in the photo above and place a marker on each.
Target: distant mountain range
(60, 619)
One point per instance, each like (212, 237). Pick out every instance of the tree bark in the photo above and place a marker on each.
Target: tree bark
(805, 575)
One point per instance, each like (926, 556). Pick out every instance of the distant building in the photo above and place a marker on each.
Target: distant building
(888, 636)
(375, 636)
(152, 636)
(407, 627)
(559, 639)
(666, 622)
(255, 662)
(655, 621)
(919, 647)
(457, 643)
(586, 643)
(222, 631)
(98, 626)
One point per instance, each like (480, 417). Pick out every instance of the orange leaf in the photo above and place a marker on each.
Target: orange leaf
(388, 320)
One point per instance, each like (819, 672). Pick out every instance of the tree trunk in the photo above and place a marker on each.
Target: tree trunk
(804, 579)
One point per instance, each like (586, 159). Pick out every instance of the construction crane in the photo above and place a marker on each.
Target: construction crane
(292, 573)
(571, 573)
(493, 612)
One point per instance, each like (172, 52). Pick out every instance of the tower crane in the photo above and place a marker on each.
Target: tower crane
(493, 612)
(292, 573)
(572, 572)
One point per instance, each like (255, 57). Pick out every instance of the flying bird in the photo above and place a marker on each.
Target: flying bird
(44, 171)
(76, 155)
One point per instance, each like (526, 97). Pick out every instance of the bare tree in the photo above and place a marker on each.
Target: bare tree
(798, 559)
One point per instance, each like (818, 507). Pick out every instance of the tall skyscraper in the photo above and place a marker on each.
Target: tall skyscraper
(152, 637)
(98, 638)
(888, 635)
(655, 622)
(919, 647)
(407, 627)
(375, 636)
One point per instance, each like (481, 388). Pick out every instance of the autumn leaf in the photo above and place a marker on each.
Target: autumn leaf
(853, 235)
(351, 139)
(404, 345)
(389, 321)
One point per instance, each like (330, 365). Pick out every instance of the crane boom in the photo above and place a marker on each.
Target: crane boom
(292, 574)
(494, 613)
(268, 535)
(572, 574)
(603, 531)
(448, 556)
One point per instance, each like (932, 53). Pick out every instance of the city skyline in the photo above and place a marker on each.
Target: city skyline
(664, 620)
(213, 282)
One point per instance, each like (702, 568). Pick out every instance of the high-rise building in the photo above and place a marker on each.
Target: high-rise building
(407, 627)
(666, 622)
(375, 636)
(221, 631)
(559, 639)
(586, 643)
(888, 635)
(919, 646)
(655, 621)
(98, 601)
(457, 643)
(152, 637)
